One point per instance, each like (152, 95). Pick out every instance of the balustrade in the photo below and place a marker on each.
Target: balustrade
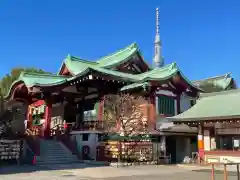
(60, 129)
(234, 130)
(34, 131)
(91, 125)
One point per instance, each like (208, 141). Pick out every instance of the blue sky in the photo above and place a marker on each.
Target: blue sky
(201, 36)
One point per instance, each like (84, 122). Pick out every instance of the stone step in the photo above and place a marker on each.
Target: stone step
(51, 145)
(47, 148)
(56, 162)
(52, 149)
(58, 157)
(53, 152)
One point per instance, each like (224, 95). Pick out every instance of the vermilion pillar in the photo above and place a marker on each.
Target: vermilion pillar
(29, 117)
(152, 110)
(200, 142)
(152, 98)
(48, 115)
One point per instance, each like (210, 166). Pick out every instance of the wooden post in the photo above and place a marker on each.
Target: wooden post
(213, 172)
(225, 172)
(238, 176)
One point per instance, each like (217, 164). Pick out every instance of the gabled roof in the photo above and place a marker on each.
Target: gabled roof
(32, 79)
(158, 74)
(75, 64)
(35, 79)
(223, 81)
(48, 80)
(213, 106)
(119, 57)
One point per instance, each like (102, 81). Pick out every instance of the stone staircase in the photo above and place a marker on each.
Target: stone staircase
(54, 152)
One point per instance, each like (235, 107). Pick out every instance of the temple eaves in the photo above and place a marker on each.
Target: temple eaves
(210, 106)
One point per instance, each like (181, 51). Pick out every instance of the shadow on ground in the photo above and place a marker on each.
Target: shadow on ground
(15, 169)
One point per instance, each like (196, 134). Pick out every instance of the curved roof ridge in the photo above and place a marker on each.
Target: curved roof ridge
(170, 69)
(76, 65)
(70, 58)
(225, 92)
(187, 80)
(75, 58)
(24, 74)
(129, 47)
(116, 73)
(168, 66)
(214, 77)
(31, 78)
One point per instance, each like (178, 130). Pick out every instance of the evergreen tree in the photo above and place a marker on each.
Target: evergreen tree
(6, 81)
(6, 115)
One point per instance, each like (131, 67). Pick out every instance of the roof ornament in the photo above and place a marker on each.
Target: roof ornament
(228, 75)
(174, 66)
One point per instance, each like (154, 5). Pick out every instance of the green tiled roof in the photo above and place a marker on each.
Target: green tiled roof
(158, 74)
(212, 106)
(79, 67)
(117, 74)
(35, 79)
(135, 85)
(223, 81)
(118, 57)
(76, 65)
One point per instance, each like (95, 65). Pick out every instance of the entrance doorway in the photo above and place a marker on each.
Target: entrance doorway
(171, 148)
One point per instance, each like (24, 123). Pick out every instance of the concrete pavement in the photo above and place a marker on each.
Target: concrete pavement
(86, 172)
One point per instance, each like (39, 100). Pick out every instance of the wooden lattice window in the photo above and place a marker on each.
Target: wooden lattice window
(166, 105)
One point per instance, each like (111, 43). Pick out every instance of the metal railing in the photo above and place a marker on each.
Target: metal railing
(225, 170)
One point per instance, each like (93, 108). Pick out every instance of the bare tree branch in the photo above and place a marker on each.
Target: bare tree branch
(128, 111)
